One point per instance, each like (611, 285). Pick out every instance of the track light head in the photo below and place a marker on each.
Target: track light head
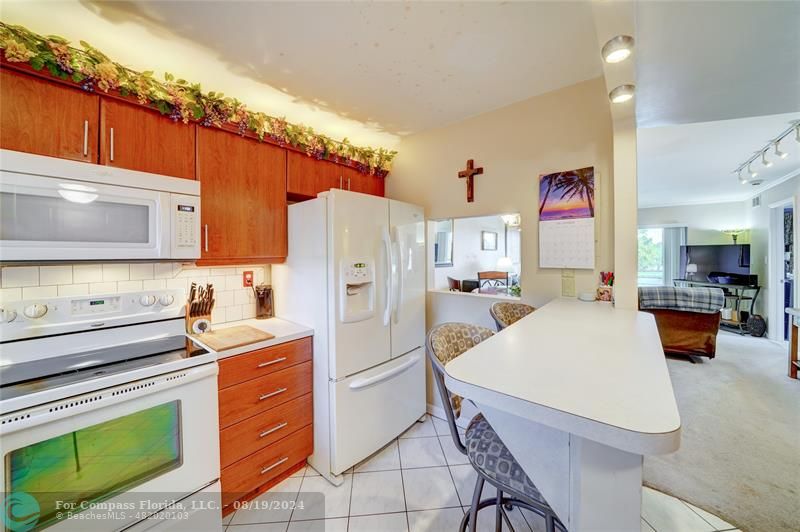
(753, 173)
(797, 132)
(778, 153)
(764, 160)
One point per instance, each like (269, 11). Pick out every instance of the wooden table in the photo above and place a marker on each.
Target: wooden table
(794, 314)
(579, 392)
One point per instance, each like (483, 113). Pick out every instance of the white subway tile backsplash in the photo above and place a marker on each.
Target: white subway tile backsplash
(103, 288)
(39, 292)
(129, 286)
(141, 271)
(233, 302)
(154, 284)
(163, 270)
(49, 275)
(116, 272)
(18, 276)
(9, 295)
(233, 313)
(67, 290)
(87, 273)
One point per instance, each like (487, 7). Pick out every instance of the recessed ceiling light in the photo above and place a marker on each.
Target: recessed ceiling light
(778, 153)
(764, 160)
(617, 49)
(621, 94)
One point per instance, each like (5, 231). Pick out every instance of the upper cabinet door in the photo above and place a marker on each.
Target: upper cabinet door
(307, 176)
(243, 196)
(364, 183)
(136, 138)
(42, 117)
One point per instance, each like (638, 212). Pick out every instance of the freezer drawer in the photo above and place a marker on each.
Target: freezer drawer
(372, 407)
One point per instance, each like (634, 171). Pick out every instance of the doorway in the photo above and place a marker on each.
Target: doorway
(781, 274)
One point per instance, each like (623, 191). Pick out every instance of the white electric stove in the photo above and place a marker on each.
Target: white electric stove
(108, 414)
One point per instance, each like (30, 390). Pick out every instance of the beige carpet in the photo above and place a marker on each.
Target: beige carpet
(740, 447)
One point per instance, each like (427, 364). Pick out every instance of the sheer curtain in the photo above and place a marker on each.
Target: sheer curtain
(674, 238)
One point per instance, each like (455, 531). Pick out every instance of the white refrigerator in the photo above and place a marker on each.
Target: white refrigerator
(355, 272)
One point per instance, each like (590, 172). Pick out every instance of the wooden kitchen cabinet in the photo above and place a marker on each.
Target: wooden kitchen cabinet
(266, 418)
(46, 118)
(243, 198)
(137, 138)
(306, 177)
(364, 183)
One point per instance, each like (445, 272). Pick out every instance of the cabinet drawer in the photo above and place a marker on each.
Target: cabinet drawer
(248, 474)
(240, 368)
(254, 433)
(258, 395)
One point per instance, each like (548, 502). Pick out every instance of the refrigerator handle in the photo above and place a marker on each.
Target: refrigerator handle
(387, 246)
(398, 296)
(369, 381)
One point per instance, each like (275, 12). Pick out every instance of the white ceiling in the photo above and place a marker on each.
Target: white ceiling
(715, 82)
(692, 163)
(382, 69)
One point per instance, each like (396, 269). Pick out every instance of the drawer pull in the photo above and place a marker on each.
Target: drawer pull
(277, 427)
(272, 394)
(276, 464)
(271, 362)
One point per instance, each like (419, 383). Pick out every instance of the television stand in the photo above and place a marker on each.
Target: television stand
(742, 298)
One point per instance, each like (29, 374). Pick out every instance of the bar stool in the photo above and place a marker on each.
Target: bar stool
(505, 314)
(486, 452)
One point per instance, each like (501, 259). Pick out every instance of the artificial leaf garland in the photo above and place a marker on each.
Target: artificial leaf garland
(177, 98)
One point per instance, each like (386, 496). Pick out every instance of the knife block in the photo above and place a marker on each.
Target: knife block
(197, 324)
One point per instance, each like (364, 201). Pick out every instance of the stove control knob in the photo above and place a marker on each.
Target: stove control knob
(7, 316)
(166, 300)
(35, 311)
(147, 301)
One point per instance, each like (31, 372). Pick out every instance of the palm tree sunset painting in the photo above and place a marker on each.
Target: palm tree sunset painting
(567, 195)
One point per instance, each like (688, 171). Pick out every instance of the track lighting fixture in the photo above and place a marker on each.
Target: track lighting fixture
(794, 126)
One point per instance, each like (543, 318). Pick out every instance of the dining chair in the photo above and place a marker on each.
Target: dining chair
(453, 284)
(504, 313)
(492, 279)
(486, 452)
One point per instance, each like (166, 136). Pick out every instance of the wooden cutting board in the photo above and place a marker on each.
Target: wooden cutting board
(230, 337)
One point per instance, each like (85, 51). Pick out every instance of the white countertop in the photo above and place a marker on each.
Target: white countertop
(503, 297)
(585, 368)
(284, 331)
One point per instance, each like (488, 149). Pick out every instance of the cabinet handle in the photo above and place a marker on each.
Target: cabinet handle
(112, 144)
(340, 182)
(276, 464)
(277, 427)
(85, 138)
(271, 362)
(272, 394)
(206, 232)
(348, 183)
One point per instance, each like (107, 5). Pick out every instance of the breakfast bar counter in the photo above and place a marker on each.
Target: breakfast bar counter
(579, 392)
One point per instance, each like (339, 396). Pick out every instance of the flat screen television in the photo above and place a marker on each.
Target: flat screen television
(732, 259)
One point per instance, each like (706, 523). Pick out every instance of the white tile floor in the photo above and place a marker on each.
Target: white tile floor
(421, 483)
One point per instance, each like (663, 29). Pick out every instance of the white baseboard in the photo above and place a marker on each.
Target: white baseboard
(468, 411)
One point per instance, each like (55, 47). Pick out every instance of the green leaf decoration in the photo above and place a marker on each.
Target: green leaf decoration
(183, 98)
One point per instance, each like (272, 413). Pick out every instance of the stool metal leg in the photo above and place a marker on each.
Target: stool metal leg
(498, 517)
(476, 500)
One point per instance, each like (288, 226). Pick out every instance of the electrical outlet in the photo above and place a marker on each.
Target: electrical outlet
(247, 279)
(568, 286)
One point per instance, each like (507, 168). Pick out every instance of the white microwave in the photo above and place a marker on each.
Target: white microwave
(58, 210)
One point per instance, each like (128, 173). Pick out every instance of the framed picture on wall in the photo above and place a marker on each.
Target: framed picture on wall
(488, 241)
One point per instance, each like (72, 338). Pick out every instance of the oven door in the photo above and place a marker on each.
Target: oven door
(47, 218)
(109, 459)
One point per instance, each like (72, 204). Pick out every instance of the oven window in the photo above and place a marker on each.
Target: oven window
(56, 219)
(97, 462)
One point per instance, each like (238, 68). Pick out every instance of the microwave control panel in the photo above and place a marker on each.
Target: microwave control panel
(185, 221)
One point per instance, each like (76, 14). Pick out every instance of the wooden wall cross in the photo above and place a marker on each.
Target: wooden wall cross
(470, 173)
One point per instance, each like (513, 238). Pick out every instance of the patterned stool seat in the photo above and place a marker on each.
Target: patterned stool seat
(488, 454)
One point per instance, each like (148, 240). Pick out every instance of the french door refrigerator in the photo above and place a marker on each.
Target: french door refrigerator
(355, 272)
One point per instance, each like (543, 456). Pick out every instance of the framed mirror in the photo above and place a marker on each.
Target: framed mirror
(443, 243)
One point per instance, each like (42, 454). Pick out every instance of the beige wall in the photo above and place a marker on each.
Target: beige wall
(560, 130)
(704, 222)
(564, 129)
